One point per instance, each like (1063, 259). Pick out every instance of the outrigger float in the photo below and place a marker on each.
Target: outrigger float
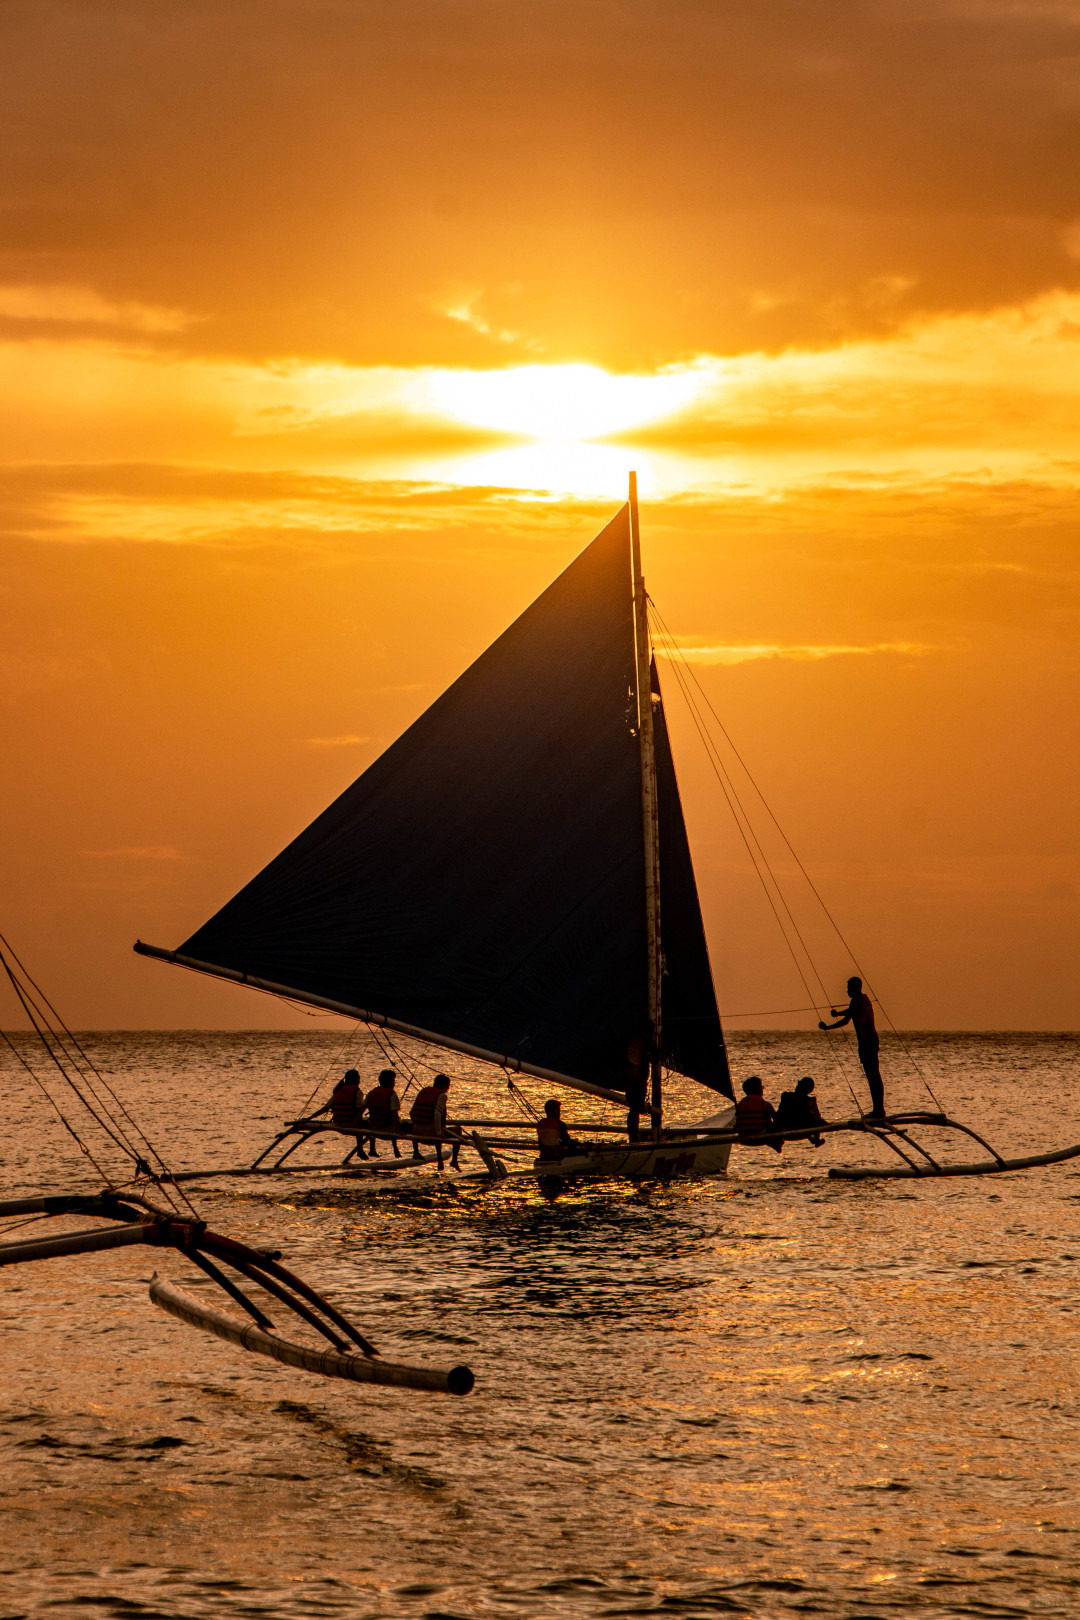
(351, 1355)
(512, 881)
(126, 1216)
(682, 1154)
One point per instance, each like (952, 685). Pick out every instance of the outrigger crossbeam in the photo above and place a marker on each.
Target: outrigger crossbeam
(350, 1355)
(892, 1131)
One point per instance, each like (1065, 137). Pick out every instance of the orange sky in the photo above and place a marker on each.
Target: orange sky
(328, 333)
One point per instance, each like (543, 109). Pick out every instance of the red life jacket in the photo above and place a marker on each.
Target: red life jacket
(343, 1102)
(549, 1132)
(422, 1112)
(379, 1111)
(750, 1115)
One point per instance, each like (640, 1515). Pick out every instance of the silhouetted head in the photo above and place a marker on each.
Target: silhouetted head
(351, 1077)
(854, 985)
(551, 1109)
(387, 1077)
(805, 1085)
(752, 1086)
(441, 1082)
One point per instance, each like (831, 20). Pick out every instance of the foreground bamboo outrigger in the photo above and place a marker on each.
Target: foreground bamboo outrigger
(140, 1221)
(102, 1127)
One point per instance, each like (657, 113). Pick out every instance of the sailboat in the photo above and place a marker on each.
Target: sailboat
(511, 879)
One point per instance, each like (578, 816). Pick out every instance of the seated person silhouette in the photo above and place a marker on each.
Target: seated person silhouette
(798, 1110)
(555, 1140)
(755, 1115)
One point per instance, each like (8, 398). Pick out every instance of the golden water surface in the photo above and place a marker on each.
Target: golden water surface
(769, 1394)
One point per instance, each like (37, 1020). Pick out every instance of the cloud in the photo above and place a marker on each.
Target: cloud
(346, 740)
(696, 653)
(989, 396)
(465, 311)
(658, 180)
(61, 302)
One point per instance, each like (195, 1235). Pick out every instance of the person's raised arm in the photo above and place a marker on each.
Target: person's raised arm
(842, 1018)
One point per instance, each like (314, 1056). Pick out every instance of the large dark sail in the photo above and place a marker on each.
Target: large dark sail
(483, 881)
(693, 1039)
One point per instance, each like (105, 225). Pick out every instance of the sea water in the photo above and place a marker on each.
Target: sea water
(768, 1394)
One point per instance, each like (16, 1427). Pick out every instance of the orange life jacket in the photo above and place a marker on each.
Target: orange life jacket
(549, 1132)
(379, 1111)
(422, 1112)
(343, 1102)
(750, 1115)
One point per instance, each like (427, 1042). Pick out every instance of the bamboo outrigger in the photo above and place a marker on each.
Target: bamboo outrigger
(137, 1219)
(351, 1355)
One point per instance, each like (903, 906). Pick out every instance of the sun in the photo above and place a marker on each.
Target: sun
(570, 403)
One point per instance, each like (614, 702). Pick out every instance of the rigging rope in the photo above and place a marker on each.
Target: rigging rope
(758, 861)
(334, 1063)
(61, 1032)
(34, 1002)
(678, 659)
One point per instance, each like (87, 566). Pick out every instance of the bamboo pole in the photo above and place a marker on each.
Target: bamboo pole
(526, 1124)
(330, 1363)
(333, 1169)
(449, 1141)
(56, 1205)
(88, 1242)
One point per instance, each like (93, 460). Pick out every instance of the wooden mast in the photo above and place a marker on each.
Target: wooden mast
(649, 809)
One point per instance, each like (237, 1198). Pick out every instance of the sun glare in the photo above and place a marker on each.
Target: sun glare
(561, 403)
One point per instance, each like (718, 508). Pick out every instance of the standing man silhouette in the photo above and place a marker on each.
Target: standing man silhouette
(859, 1013)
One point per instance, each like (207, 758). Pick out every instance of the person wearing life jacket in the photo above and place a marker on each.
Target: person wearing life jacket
(859, 1013)
(798, 1110)
(382, 1106)
(428, 1116)
(344, 1098)
(754, 1115)
(555, 1140)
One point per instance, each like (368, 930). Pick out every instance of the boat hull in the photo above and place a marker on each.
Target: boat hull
(644, 1161)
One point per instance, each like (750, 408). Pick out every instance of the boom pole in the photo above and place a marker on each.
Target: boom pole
(649, 810)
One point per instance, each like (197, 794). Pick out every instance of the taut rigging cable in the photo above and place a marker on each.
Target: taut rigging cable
(684, 673)
(60, 1044)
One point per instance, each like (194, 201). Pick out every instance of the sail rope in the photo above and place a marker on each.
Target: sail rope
(758, 859)
(54, 1105)
(397, 1059)
(679, 655)
(89, 1086)
(334, 1063)
(531, 1114)
(775, 1012)
(685, 674)
(88, 1070)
